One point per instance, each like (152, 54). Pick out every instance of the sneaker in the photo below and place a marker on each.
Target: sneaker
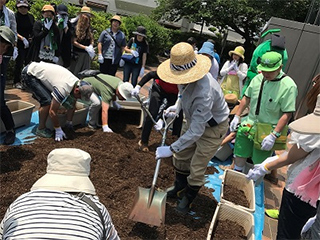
(18, 86)
(94, 127)
(10, 137)
(45, 133)
(143, 147)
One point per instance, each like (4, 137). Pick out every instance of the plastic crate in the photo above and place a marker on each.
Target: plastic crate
(227, 212)
(79, 117)
(21, 112)
(241, 182)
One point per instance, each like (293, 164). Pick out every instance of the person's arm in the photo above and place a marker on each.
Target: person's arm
(39, 32)
(53, 112)
(283, 121)
(293, 155)
(144, 59)
(99, 48)
(146, 78)
(78, 45)
(70, 112)
(225, 68)
(104, 115)
(242, 72)
(245, 101)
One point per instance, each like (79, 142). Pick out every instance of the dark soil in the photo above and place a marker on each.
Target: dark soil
(227, 229)
(117, 169)
(235, 195)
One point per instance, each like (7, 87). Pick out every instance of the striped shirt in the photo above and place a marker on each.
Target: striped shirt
(47, 214)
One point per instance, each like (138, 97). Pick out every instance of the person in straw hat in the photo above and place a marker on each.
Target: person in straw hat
(206, 114)
(62, 204)
(271, 97)
(111, 45)
(302, 190)
(233, 72)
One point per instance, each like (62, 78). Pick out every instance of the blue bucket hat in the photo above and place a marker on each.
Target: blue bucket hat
(207, 48)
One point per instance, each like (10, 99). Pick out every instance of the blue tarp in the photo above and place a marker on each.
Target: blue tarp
(214, 181)
(26, 134)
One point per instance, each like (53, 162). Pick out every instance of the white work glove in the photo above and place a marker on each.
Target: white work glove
(59, 134)
(159, 125)
(15, 53)
(90, 51)
(116, 105)
(260, 170)
(268, 142)
(234, 123)
(170, 112)
(100, 58)
(236, 67)
(308, 224)
(141, 72)
(25, 42)
(163, 152)
(134, 53)
(65, 22)
(55, 59)
(106, 128)
(48, 23)
(121, 63)
(135, 91)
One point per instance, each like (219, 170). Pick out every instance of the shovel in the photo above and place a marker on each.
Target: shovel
(147, 111)
(149, 205)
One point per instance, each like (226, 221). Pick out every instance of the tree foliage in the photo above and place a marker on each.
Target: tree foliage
(245, 17)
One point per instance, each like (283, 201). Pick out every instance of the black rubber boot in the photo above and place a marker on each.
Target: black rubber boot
(185, 203)
(179, 184)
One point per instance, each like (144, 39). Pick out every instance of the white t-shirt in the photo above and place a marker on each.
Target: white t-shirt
(57, 79)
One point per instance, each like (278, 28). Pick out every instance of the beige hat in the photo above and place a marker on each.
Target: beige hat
(231, 98)
(85, 9)
(309, 124)
(68, 170)
(184, 66)
(47, 8)
(125, 89)
(117, 18)
(238, 51)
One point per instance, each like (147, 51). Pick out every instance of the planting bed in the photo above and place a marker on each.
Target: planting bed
(117, 169)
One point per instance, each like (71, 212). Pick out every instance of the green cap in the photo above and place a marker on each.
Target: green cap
(7, 34)
(270, 61)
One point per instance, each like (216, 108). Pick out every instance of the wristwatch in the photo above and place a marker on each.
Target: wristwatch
(277, 134)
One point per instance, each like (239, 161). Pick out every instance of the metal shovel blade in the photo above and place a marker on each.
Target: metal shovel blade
(149, 208)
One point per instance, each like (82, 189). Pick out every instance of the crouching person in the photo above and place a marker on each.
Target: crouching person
(53, 85)
(62, 204)
(206, 114)
(106, 89)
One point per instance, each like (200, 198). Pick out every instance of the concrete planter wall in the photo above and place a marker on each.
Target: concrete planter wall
(21, 113)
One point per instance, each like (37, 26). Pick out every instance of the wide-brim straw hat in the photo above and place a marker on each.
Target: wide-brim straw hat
(68, 170)
(309, 124)
(238, 51)
(231, 98)
(184, 66)
(86, 9)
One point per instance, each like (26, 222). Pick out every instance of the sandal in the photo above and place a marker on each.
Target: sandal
(143, 147)
(272, 213)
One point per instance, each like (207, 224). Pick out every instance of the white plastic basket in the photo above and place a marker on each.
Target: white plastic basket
(227, 212)
(241, 182)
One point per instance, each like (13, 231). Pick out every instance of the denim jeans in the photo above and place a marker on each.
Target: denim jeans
(131, 68)
(39, 91)
(6, 115)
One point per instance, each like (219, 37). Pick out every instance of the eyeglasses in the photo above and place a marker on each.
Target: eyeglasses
(269, 65)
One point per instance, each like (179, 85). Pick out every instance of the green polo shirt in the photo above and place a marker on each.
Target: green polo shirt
(278, 97)
(105, 91)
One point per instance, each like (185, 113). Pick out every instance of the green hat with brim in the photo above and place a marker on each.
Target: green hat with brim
(7, 34)
(270, 61)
